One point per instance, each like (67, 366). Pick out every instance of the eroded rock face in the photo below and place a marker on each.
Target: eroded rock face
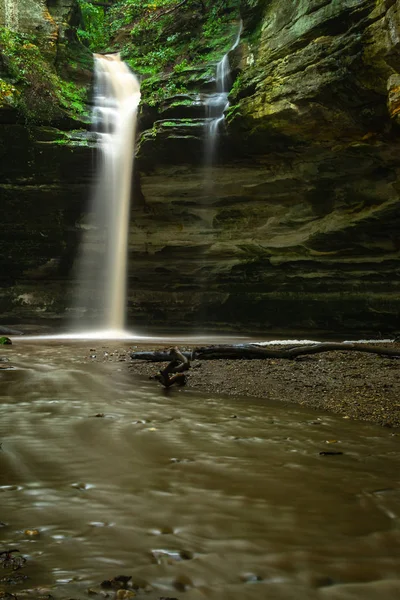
(50, 20)
(45, 177)
(294, 229)
(300, 229)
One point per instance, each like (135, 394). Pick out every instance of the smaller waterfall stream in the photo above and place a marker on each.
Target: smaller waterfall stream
(103, 263)
(217, 103)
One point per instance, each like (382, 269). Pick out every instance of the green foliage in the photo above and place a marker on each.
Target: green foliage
(164, 35)
(31, 84)
(94, 31)
(8, 93)
(182, 66)
(161, 40)
(156, 89)
(72, 97)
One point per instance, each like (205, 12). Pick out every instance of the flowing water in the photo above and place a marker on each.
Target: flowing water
(197, 496)
(101, 294)
(217, 103)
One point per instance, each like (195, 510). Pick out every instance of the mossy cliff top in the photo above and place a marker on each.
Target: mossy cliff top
(172, 45)
(45, 71)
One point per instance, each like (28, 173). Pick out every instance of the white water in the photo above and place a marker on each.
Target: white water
(101, 297)
(218, 103)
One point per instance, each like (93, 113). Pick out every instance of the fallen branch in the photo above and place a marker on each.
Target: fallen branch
(174, 371)
(157, 355)
(252, 351)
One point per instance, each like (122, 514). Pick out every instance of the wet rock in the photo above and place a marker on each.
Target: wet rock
(183, 583)
(13, 579)
(42, 594)
(32, 532)
(12, 559)
(324, 581)
(117, 582)
(251, 578)
(163, 531)
(80, 486)
(125, 594)
(162, 556)
(5, 341)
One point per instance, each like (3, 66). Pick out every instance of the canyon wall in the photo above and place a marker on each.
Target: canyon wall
(301, 228)
(45, 157)
(296, 226)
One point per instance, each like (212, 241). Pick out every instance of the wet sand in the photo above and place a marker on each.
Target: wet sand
(353, 384)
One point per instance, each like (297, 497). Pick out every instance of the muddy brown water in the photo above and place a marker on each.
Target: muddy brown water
(199, 497)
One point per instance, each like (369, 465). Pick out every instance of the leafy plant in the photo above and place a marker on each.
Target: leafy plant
(94, 31)
(31, 84)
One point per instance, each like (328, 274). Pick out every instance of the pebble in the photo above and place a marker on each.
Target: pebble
(124, 594)
(32, 532)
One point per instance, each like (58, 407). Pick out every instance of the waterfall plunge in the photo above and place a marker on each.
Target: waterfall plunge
(103, 272)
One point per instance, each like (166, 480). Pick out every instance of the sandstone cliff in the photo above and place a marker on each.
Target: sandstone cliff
(45, 155)
(301, 229)
(296, 228)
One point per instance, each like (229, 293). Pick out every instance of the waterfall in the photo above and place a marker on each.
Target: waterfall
(103, 263)
(217, 103)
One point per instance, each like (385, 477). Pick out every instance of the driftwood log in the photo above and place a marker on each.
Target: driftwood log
(174, 371)
(253, 351)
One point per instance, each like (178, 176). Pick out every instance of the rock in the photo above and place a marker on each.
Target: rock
(5, 341)
(310, 220)
(32, 532)
(125, 594)
(296, 226)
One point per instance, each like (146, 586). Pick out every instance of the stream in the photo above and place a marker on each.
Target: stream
(194, 496)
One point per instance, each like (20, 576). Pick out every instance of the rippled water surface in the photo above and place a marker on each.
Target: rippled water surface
(200, 497)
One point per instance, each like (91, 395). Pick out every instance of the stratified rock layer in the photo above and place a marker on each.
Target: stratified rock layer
(297, 227)
(294, 229)
(45, 175)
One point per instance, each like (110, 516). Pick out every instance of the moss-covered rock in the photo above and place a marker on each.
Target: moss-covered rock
(45, 155)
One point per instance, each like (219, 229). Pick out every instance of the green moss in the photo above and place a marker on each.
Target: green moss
(31, 84)
(156, 89)
(181, 103)
(8, 94)
(167, 41)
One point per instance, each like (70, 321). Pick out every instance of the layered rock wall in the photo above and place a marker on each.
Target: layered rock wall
(301, 228)
(295, 228)
(45, 168)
